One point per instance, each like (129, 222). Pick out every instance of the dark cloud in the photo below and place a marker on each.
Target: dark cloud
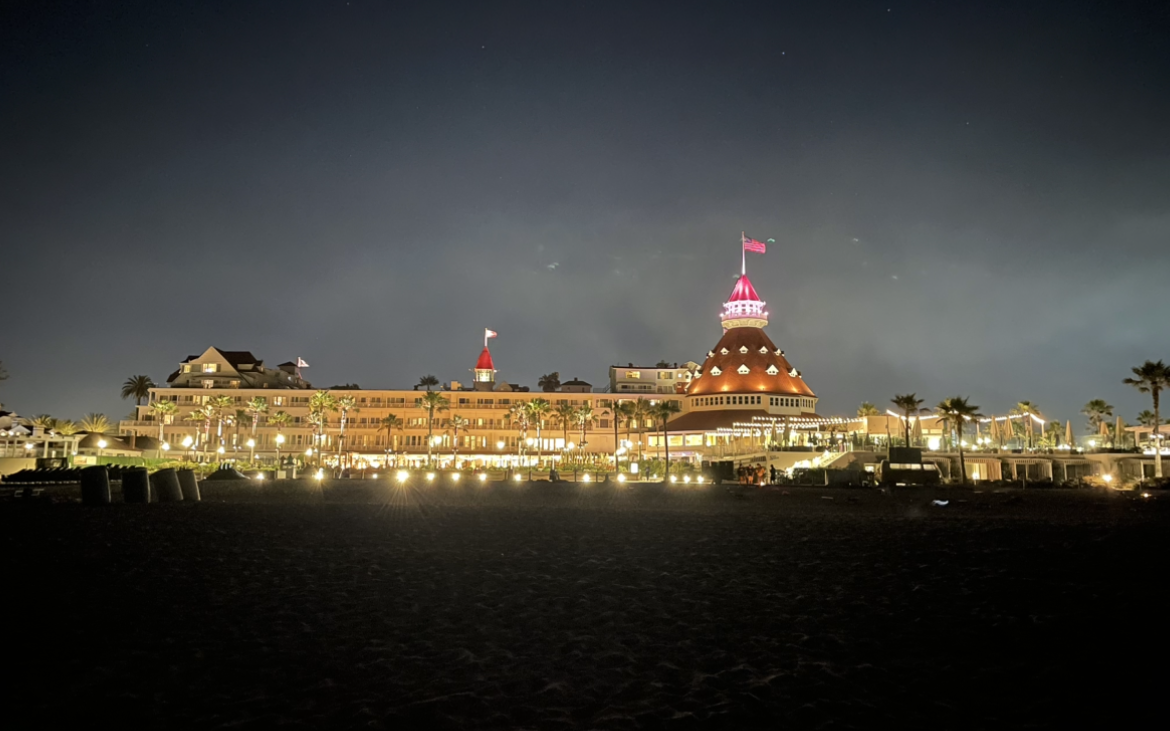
(965, 199)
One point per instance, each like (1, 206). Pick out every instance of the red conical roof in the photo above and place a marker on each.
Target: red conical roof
(744, 291)
(485, 361)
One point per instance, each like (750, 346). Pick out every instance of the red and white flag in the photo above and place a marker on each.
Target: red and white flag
(750, 244)
(301, 363)
(488, 334)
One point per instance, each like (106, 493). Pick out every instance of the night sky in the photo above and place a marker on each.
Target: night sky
(966, 198)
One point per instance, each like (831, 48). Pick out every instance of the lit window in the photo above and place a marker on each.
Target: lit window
(725, 351)
(715, 371)
(278, 400)
(665, 375)
(773, 370)
(210, 367)
(763, 350)
(743, 370)
(209, 384)
(234, 384)
(633, 374)
(743, 349)
(187, 368)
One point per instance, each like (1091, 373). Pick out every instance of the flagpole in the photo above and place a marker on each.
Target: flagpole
(743, 253)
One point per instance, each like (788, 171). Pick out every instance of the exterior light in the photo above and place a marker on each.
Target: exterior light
(309, 452)
(455, 476)
(430, 476)
(500, 444)
(483, 477)
(402, 475)
(699, 480)
(570, 445)
(320, 475)
(280, 439)
(251, 442)
(375, 475)
(102, 443)
(260, 476)
(621, 478)
(187, 441)
(634, 468)
(687, 479)
(28, 445)
(586, 478)
(516, 478)
(1108, 478)
(166, 447)
(674, 478)
(220, 450)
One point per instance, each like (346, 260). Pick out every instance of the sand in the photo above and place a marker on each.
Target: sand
(569, 607)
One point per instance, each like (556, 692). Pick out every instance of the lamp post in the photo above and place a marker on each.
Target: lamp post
(220, 450)
(165, 448)
(279, 441)
(187, 442)
(252, 449)
(101, 445)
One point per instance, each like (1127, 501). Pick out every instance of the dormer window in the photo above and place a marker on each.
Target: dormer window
(715, 371)
(763, 350)
(725, 351)
(710, 353)
(773, 370)
(743, 349)
(779, 352)
(743, 370)
(794, 373)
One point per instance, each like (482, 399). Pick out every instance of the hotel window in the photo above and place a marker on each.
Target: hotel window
(209, 383)
(233, 384)
(633, 374)
(187, 368)
(278, 400)
(665, 375)
(210, 367)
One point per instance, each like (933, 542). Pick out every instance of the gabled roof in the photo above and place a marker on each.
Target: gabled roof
(576, 382)
(485, 361)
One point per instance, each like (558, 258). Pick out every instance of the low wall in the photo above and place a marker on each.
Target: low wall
(10, 465)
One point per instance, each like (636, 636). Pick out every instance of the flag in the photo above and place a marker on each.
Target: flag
(301, 363)
(489, 333)
(750, 244)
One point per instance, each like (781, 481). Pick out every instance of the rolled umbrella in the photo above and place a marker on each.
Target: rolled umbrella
(1068, 437)
(1117, 432)
(993, 431)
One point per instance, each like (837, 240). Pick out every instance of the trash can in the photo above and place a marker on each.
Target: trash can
(188, 485)
(95, 485)
(166, 486)
(135, 485)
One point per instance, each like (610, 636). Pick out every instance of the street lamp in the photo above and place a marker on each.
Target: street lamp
(252, 447)
(279, 441)
(101, 445)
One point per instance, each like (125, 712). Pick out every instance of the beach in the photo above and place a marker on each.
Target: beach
(587, 606)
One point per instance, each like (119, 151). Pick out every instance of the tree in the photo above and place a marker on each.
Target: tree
(518, 416)
(639, 412)
(280, 420)
(538, 410)
(320, 404)
(43, 421)
(910, 405)
(549, 382)
(663, 410)
(388, 424)
(219, 409)
(161, 410)
(137, 388)
(66, 428)
(584, 418)
(427, 382)
(867, 409)
(1146, 418)
(457, 422)
(1030, 412)
(345, 404)
(1097, 410)
(256, 408)
(432, 401)
(96, 424)
(956, 411)
(623, 411)
(1153, 378)
(566, 415)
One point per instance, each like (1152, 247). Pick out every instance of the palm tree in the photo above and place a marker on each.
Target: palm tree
(910, 405)
(279, 419)
(161, 410)
(518, 416)
(427, 381)
(549, 382)
(65, 428)
(623, 411)
(432, 401)
(538, 409)
(664, 410)
(96, 424)
(1030, 412)
(388, 424)
(639, 412)
(867, 409)
(138, 388)
(219, 407)
(565, 414)
(320, 404)
(955, 411)
(457, 422)
(1097, 410)
(345, 404)
(584, 418)
(1153, 378)
(257, 407)
(43, 421)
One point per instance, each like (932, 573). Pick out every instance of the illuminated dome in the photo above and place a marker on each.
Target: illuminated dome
(744, 308)
(745, 360)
